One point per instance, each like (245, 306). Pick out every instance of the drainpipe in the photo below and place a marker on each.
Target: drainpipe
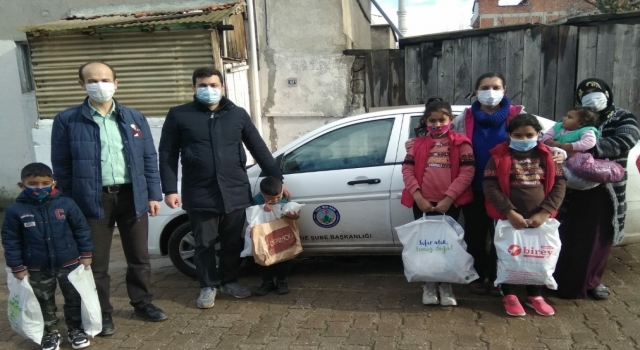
(395, 29)
(256, 106)
(402, 17)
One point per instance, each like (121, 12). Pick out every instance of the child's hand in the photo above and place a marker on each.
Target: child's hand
(86, 262)
(20, 275)
(538, 219)
(293, 216)
(424, 205)
(268, 207)
(516, 220)
(444, 205)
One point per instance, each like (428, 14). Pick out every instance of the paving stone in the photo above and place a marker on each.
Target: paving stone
(365, 304)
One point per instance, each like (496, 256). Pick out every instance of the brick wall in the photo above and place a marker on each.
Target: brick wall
(531, 11)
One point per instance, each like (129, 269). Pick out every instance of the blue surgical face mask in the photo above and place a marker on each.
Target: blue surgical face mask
(208, 95)
(523, 145)
(38, 193)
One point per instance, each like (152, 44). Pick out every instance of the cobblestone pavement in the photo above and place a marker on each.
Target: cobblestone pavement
(357, 304)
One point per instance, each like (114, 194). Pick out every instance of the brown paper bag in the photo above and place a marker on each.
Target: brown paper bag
(276, 241)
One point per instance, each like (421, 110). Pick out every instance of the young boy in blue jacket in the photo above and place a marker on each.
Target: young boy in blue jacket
(45, 236)
(271, 195)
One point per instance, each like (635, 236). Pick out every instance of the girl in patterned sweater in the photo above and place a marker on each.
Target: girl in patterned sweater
(522, 184)
(437, 173)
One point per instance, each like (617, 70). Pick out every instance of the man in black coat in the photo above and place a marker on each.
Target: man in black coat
(207, 135)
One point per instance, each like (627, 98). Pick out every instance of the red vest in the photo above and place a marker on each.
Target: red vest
(502, 156)
(421, 148)
(468, 118)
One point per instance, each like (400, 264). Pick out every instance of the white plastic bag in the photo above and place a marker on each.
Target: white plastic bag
(577, 183)
(527, 256)
(435, 251)
(291, 207)
(256, 215)
(23, 309)
(82, 280)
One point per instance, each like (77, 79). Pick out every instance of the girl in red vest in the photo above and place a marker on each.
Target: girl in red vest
(437, 173)
(522, 184)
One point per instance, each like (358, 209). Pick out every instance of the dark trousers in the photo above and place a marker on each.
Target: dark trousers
(119, 208)
(454, 212)
(532, 291)
(279, 271)
(44, 287)
(206, 226)
(587, 237)
(479, 230)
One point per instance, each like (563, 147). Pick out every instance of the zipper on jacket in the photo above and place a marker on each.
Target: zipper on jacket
(47, 234)
(213, 148)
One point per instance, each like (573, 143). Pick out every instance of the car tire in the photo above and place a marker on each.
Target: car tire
(182, 248)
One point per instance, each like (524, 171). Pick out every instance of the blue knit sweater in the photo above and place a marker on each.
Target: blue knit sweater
(489, 130)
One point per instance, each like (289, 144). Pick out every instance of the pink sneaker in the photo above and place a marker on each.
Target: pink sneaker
(512, 305)
(541, 306)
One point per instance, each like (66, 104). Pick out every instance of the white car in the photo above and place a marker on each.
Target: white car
(348, 175)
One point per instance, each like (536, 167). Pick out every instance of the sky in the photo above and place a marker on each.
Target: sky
(428, 16)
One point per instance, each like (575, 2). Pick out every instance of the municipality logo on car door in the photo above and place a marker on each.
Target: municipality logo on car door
(326, 216)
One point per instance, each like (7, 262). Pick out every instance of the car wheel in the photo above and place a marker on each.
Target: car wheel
(182, 249)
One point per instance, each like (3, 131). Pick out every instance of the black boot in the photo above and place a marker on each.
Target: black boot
(107, 325)
(265, 288)
(282, 287)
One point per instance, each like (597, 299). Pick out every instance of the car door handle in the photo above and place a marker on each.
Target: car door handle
(367, 181)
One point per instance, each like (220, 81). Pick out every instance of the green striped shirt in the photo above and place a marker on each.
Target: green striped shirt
(112, 158)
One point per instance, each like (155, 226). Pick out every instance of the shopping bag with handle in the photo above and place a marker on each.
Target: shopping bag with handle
(276, 241)
(435, 251)
(256, 215)
(23, 309)
(82, 280)
(529, 255)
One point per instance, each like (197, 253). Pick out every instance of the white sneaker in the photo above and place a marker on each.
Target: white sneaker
(207, 298)
(430, 295)
(446, 295)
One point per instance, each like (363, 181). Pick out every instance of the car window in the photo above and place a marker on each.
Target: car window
(353, 146)
(415, 120)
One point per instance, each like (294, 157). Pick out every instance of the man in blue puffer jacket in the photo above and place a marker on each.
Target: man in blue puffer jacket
(104, 158)
(46, 237)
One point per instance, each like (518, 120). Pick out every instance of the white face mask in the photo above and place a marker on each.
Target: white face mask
(597, 100)
(490, 98)
(101, 92)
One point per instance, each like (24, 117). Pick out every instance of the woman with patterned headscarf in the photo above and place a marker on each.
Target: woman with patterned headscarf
(593, 220)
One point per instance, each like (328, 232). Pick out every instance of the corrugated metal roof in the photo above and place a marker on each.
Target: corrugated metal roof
(211, 14)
